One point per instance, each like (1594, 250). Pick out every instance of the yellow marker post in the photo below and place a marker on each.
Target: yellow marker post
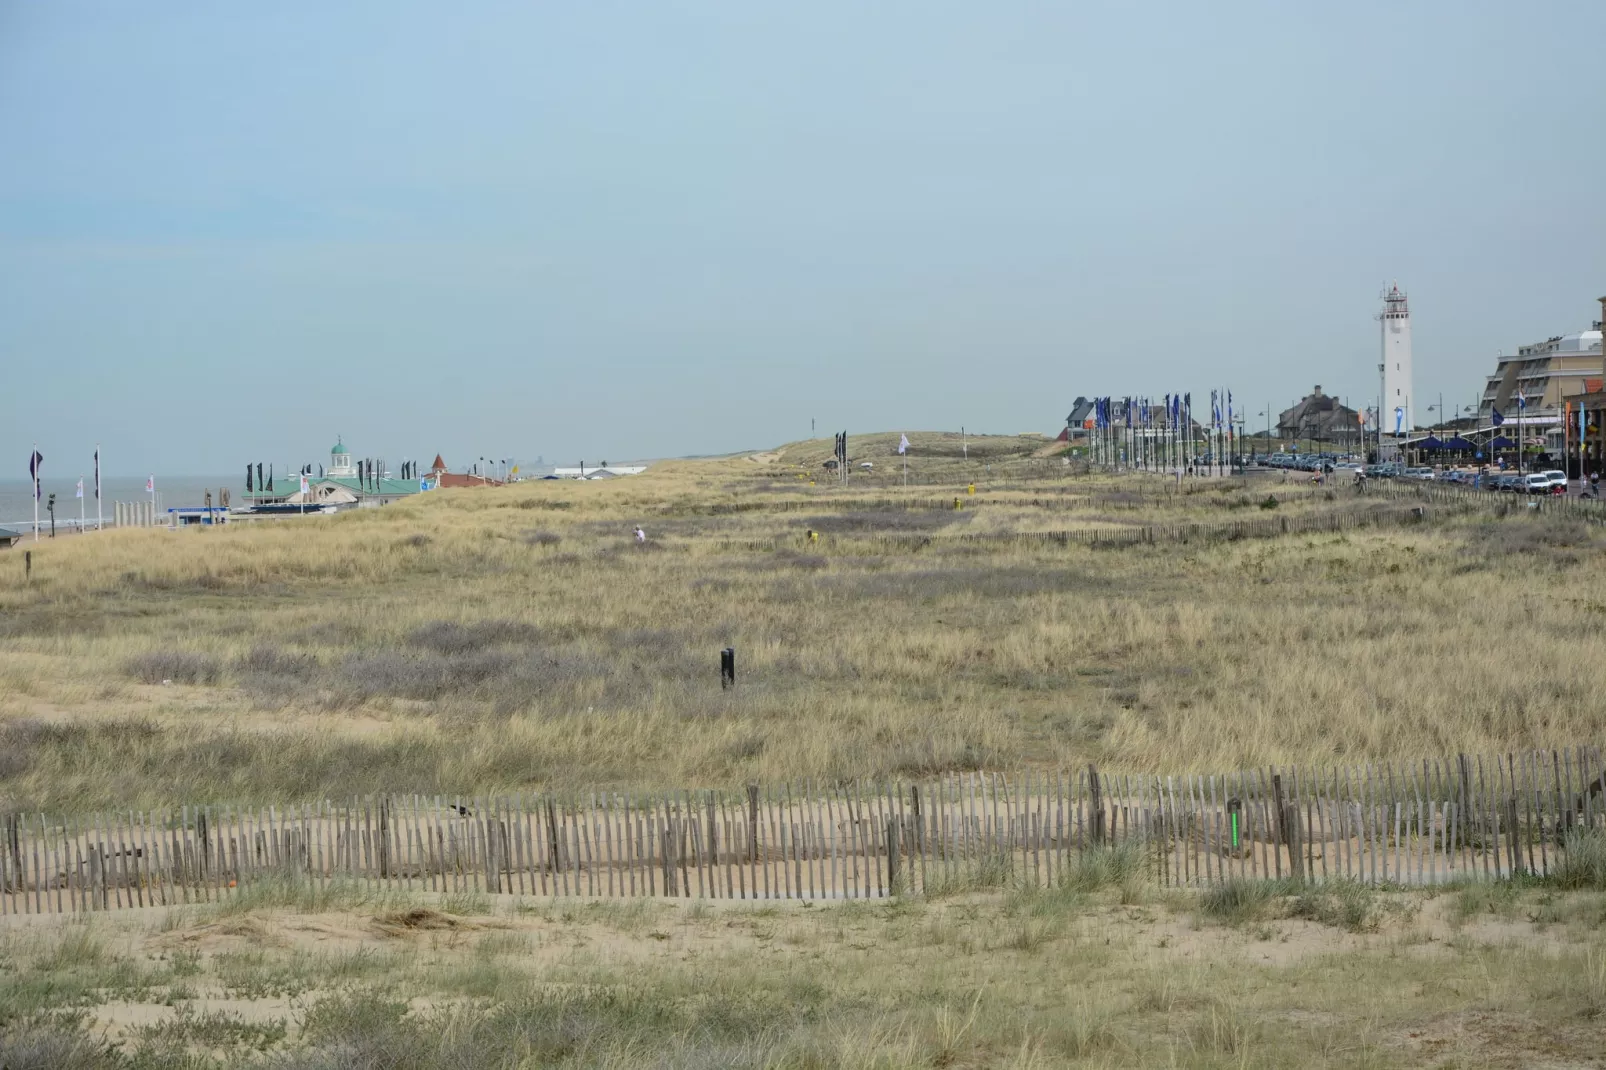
(972, 489)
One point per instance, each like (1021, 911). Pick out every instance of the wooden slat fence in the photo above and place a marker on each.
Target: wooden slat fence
(1587, 509)
(1426, 822)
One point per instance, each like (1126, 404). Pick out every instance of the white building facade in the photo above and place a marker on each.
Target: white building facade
(1395, 362)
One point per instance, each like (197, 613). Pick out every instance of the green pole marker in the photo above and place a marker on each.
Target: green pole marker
(1235, 830)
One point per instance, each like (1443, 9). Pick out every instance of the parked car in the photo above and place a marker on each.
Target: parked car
(1418, 473)
(1535, 483)
(1558, 480)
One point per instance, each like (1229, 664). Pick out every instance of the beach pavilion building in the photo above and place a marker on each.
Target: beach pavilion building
(342, 485)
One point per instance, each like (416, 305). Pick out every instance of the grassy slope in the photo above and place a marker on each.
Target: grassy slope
(495, 639)
(1104, 971)
(489, 639)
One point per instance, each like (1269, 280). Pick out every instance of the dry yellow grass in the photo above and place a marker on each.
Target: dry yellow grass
(487, 640)
(480, 641)
(1087, 974)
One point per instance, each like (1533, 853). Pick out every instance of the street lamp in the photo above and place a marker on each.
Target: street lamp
(1439, 408)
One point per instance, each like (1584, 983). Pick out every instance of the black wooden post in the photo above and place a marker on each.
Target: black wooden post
(893, 887)
(752, 825)
(1096, 802)
(727, 667)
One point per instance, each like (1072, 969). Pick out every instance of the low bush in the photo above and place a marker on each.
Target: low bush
(887, 521)
(1583, 860)
(175, 666)
(273, 661)
(1237, 901)
(55, 1046)
(1341, 903)
(1106, 867)
(1557, 541)
(424, 678)
(454, 637)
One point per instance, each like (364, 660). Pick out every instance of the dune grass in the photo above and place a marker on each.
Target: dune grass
(481, 641)
(494, 640)
(1093, 972)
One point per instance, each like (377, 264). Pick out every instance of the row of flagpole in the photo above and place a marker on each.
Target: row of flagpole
(1139, 432)
(36, 461)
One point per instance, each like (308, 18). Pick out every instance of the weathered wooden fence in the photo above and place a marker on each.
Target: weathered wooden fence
(1591, 510)
(1407, 823)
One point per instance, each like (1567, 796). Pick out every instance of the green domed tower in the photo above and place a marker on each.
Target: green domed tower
(340, 460)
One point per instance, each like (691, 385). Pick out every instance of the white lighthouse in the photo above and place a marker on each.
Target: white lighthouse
(1396, 362)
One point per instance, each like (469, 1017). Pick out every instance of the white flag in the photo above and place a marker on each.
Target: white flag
(150, 484)
(80, 493)
(903, 443)
(303, 483)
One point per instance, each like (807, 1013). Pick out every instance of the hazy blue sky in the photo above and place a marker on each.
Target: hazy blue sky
(229, 231)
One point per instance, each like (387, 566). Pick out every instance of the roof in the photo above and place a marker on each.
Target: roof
(7, 535)
(1317, 409)
(386, 486)
(339, 447)
(460, 479)
(439, 465)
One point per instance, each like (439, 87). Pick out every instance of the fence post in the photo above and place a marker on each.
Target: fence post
(669, 858)
(752, 822)
(384, 837)
(1096, 801)
(1464, 800)
(1285, 836)
(1513, 849)
(892, 856)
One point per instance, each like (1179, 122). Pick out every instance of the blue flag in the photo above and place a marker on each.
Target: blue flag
(1496, 418)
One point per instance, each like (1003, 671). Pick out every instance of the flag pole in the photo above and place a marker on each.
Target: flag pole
(80, 503)
(98, 523)
(33, 463)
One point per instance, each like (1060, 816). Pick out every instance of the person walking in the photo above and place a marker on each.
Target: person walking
(641, 536)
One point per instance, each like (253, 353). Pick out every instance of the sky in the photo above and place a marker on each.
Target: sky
(230, 232)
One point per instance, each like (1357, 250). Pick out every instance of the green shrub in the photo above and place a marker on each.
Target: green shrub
(1583, 860)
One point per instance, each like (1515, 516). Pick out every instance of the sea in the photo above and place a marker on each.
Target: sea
(16, 496)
